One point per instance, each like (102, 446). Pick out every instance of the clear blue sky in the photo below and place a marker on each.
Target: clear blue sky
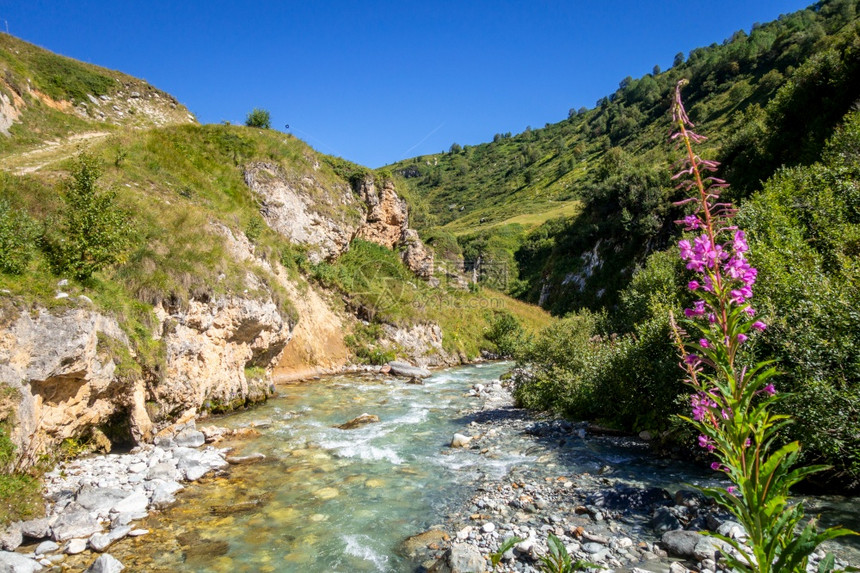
(376, 81)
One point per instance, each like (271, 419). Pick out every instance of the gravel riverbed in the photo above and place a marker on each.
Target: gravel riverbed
(608, 516)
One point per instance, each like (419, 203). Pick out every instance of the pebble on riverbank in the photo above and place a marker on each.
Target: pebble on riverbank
(599, 518)
(91, 502)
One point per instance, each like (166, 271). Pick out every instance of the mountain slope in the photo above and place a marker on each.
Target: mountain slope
(160, 268)
(765, 98)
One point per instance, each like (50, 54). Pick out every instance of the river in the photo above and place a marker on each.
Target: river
(327, 499)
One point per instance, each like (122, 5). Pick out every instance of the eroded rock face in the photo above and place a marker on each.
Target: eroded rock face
(209, 347)
(304, 211)
(420, 343)
(63, 370)
(416, 255)
(62, 376)
(387, 217)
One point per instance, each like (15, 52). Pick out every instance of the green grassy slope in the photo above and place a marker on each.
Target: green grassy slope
(52, 97)
(765, 98)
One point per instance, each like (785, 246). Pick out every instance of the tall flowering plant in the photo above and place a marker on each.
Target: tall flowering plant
(731, 402)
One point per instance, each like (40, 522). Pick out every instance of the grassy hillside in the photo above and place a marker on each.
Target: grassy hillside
(766, 98)
(46, 96)
(778, 104)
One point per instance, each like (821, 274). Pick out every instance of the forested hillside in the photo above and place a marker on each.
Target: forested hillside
(579, 214)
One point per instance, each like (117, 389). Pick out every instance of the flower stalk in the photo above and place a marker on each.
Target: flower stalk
(731, 404)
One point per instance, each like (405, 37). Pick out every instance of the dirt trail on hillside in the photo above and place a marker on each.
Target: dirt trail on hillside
(49, 152)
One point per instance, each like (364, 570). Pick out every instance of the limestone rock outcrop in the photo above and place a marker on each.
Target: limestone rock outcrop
(302, 209)
(66, 374)
(387, 218)
(61, 374)
(210, 347)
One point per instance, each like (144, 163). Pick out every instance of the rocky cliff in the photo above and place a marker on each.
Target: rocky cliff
(73, 371)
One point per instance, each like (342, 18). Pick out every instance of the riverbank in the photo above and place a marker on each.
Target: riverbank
(613, 516)
(309, 491)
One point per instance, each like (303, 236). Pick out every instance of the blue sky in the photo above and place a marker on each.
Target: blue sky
(377, 81)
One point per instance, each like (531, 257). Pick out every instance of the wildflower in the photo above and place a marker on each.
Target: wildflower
(742, 338)
(693, 285)
(703, 342)
(770, 390)
(731, 490)
(707, 443)
(717, 467)
(697, 310)
(759, 325)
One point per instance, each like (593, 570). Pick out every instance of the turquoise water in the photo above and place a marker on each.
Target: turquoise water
(327, 499)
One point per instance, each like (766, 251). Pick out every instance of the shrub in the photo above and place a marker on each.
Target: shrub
(259, 118)
(94, 231)
(16, 237)
(507, 334)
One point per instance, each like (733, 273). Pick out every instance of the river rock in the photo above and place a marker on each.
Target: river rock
(460, 441)
(16, 563)
(100, 499)
(72, 524)
(46, 547)
(36, 528)
(681, 543)
(707, 548)
(75, 546)
(134, 503)
(689, 498)
(418, 545)
(664, 520)
(732, 530)
(245, 460)
(101, 541)
(407, 370)
(362, 420)
(106, 563)
(12, 538)
(189, 438)
(460, 558)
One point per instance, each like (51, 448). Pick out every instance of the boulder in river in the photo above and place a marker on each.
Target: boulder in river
(359, 421)
(681, 543)
(106, 563)
(460, 441)
(460, 558)
(18, 563)
(406, 370)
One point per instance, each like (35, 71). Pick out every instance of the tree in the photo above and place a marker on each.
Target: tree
(679, 59)
(455, 148)
(656, 70)
(259, 118)
(94, 231)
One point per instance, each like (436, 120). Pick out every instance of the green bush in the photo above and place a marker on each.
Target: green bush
(17, 232)
(507, 334)
(94, 231)
(259, 118)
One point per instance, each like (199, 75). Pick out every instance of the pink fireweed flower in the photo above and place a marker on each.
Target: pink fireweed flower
(697, 310)
(693, 285)
(691, 222)
(742, 338)
(751, 313)
(759, 325)
(701, 404)
(705, 442)
(692, 359)
(770, 390)
(712, 318)
(740, 244)
(703, 342)
(731, 490)
(717, 467)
